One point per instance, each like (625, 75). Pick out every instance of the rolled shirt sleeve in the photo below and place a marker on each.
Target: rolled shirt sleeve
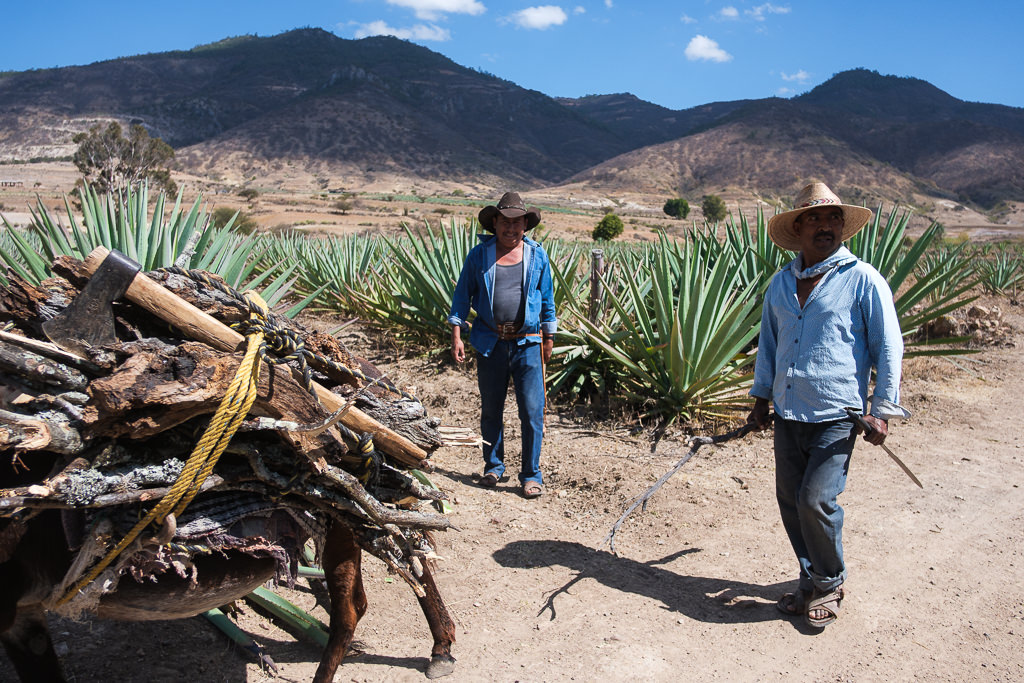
(548, 318)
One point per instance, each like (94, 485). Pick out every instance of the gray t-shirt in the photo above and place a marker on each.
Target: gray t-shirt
(508, 294)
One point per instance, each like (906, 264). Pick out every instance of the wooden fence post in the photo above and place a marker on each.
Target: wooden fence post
(596, 285)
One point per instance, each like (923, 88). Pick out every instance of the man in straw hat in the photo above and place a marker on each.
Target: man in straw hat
(828, 318)
(506, 279)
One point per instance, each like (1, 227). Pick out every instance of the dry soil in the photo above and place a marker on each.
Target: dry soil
(935, 588)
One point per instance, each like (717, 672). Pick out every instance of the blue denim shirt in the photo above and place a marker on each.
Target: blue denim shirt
(475, 289)
(815, 361)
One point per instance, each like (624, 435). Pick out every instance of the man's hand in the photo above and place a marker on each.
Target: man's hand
(458, 348)
(876, 428)
(546, 347)
(759, 414)
(879, 430)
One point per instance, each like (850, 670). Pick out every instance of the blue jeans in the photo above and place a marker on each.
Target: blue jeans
(521, 363)
(811, 464)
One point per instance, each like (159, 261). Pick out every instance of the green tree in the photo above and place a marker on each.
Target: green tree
(249, 193)
(677, 208)
(240, 221)
(109, 160)
(713, 208)
(609, 228)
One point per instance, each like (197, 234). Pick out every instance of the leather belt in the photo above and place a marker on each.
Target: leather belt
(508, 331)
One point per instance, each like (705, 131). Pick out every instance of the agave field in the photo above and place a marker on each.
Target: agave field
(671, 334)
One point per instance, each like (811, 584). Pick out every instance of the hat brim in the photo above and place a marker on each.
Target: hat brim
(488, 214)
(782, 232)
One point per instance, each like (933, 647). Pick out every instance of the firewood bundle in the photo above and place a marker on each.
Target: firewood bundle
(107, 433)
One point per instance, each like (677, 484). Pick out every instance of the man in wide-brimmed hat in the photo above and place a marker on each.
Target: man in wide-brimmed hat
(828, 318)
(506, 279)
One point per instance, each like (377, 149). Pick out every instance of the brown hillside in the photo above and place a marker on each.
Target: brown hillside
(308, 110)
(769, 161)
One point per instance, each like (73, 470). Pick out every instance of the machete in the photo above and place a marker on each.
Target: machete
(856, 417)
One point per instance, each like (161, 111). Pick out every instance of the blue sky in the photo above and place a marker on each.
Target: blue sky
(676, 54)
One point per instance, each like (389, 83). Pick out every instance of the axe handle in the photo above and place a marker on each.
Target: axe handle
(203, 327)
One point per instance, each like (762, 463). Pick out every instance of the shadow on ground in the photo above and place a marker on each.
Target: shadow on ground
(707, 599)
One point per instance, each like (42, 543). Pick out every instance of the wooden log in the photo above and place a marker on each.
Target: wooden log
(50, 350)
(23, 433)
(156, 389)
(46, 497)
(40, 371)
(406, 417)
(196, 324)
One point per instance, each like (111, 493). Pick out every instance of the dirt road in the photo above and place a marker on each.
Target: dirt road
(936, 576)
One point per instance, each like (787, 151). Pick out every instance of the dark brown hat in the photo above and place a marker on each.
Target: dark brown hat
(511, 206)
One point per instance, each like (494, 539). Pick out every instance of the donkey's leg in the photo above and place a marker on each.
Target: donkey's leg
(342, 565)
(28, 645)
(32, 561)
(441, 627)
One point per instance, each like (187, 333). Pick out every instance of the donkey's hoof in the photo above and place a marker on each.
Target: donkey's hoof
(440, 665)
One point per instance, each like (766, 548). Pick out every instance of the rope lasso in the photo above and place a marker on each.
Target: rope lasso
(233, 408)
(286, 346)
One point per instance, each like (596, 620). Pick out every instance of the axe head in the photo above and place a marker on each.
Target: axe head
(89, 319)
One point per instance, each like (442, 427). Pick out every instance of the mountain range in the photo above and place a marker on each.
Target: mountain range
(350, 109)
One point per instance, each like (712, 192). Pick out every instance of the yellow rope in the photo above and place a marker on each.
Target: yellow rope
(235, 405)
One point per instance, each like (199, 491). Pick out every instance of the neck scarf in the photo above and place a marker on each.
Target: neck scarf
(840, 257)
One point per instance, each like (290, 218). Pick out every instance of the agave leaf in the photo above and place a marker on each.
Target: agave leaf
(21, 256)
(301, 305)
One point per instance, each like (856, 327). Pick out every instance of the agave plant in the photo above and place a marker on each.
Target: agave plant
(328, 270)
(676, 335)
(1002, 273)
(759, 257)
(579, 367)
(921, 295)
(153, 238)
(573, 274)
(17, 249)
(413, 287)
(952, 266)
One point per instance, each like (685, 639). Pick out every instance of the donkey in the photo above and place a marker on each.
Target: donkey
(34, 559)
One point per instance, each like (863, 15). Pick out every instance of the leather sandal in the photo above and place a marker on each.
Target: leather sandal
(826, 601)
(489, 480)
(794, 604)
(532, 489)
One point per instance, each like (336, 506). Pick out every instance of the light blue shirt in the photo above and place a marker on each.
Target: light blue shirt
(475, 289)
(815, 361)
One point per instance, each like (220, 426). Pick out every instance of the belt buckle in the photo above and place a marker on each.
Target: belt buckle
(506, 331)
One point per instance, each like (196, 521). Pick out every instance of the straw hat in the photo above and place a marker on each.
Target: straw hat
(780, 226)
(511, 206)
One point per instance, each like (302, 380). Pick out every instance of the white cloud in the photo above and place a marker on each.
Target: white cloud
(758, 12)
(703, 48)
(784, 92)
(540, 18)
(687, 19)
(800, 76)
(609, 4)
(432, 10)
(579, 9)
(729, 12)
(418, 32)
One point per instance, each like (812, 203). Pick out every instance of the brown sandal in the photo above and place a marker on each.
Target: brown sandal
(532, 489)
(826, 601)
(489, 480)
(794, 604)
